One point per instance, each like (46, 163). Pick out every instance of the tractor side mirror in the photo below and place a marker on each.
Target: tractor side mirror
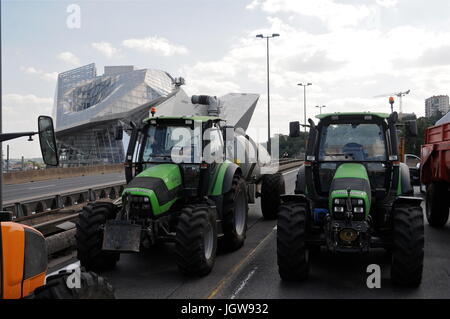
(411, 127)
(294, 129)
(48, 141)
(118, 133)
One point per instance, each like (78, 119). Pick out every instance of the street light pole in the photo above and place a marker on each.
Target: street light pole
(304, 100)
(320, 108)
(269, 146)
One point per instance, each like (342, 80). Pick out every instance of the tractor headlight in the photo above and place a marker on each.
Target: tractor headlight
(358, 209)
(338, 209)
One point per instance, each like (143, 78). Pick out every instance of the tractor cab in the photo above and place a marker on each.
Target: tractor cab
(350, 139)
(188, 147)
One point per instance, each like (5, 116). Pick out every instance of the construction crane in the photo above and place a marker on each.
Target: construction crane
(400, 97)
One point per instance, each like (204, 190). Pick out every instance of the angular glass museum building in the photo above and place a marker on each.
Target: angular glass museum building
(89, 107)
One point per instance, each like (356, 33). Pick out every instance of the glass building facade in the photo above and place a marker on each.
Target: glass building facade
(89, 107)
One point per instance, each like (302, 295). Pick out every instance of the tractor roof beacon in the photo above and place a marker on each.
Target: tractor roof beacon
(181, 188)
(353, 194)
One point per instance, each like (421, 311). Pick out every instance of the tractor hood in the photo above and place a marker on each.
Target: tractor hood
(350, 191)
(160, 183)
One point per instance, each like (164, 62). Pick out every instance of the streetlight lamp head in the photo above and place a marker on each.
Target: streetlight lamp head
(275, 35)
(309, 83)
(259, 36)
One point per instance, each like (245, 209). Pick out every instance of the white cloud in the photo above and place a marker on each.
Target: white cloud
(387, 3)
(348, 66)
(48, 76)
(330, 12)
(155, 44)
(20, 113)
(107, 49)
(69, 58)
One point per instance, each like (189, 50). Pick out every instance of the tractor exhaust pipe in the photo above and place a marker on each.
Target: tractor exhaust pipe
(213, 103)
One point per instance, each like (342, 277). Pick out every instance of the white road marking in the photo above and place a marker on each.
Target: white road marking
(291, 171)
(243, 283)
(41, 187)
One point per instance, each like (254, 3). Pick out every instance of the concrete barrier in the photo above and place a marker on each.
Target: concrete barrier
(57, 173)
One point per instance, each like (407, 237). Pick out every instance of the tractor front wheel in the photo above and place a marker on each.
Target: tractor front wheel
(235, 214)
(437, 204)
(292, 253)
(408, 245)
(91, 286)
(271, 189)
(89, 236)
(196, 240)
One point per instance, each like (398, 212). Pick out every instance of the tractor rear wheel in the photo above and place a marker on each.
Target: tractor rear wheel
(292, 253)
(196, 240)
(92, 286)
(89, 236)
(408, 245)
(235, 214)
(437, 204)
(271, 189)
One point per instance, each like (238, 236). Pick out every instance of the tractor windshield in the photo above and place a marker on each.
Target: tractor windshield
(170, 144)
(352, 142)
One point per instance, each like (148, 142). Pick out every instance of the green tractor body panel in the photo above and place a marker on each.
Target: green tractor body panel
(352, 176)
(216, 187)
(160, 183)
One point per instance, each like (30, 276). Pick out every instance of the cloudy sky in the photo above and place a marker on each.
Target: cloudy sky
(351, 50)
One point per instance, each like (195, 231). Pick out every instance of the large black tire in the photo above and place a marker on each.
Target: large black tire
(271, 189)
(292, 253)
(92, 287)
(235, 215)
(196, 240)
(408, 245)
(437, 204)
(89, 237)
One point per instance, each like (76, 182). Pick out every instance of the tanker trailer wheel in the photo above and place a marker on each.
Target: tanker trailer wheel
(89, 236)
(92, 286)
(235, 215)
(271, 189)
(196, 240)
(292, 253)
(408, 245)
(437, 204)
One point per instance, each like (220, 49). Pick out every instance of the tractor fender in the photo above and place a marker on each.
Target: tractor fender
(223, 179)
(297, 198)
(228, 177)
(405, 181)
(300, 182)
(408, 200)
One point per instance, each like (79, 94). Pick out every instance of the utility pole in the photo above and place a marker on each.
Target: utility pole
(304, 101)
(269, 146)
(1, 119)
(7, 158)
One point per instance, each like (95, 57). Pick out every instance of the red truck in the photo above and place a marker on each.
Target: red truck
(435, 173)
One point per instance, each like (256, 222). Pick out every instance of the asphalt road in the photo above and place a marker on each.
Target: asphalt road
(252, 271)
(19, 192)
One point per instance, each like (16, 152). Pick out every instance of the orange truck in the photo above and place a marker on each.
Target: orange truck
(24, 259)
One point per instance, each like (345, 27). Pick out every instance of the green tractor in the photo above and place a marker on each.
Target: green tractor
(181, 188)
(352, 194)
